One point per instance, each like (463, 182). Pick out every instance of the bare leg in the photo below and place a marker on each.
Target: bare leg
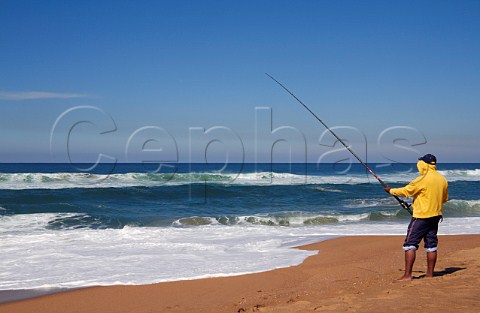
(431, 260)
(409, 260)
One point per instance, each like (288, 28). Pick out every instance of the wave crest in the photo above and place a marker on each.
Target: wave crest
(20, 181)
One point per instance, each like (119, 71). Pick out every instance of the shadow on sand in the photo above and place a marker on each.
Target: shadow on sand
(446, 271)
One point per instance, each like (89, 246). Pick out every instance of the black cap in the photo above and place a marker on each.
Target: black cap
(429, 158)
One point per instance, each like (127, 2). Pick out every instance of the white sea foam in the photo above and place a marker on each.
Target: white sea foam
(367, 203)
(78, 180)
(86, 180)
(462, 175)
(83, 180)
(285, 218)
(35, 256)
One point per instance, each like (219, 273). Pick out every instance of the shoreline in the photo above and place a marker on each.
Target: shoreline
(355, 273)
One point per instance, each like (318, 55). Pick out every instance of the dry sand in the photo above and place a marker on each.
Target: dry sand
(350, 274)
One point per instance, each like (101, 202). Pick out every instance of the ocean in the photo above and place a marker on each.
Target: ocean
(71, 226)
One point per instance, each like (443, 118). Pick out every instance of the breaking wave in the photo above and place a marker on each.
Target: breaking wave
(18, 181)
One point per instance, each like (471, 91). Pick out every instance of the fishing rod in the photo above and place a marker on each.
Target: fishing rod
(404, 204)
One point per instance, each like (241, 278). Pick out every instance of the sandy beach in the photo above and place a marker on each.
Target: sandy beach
(349, 274)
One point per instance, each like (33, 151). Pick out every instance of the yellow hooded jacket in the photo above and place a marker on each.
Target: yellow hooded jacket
(429, 191)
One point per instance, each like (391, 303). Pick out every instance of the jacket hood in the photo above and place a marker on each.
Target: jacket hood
(423, 167)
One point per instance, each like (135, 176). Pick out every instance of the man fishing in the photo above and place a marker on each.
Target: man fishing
(429, 192)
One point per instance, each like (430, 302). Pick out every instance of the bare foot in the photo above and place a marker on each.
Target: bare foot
(405, 278)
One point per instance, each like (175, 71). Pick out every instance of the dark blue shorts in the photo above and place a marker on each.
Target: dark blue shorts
(422, 229)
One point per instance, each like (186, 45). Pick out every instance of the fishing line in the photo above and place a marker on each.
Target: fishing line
(404, 204)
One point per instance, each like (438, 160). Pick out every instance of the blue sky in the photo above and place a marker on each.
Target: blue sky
(184, 80)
